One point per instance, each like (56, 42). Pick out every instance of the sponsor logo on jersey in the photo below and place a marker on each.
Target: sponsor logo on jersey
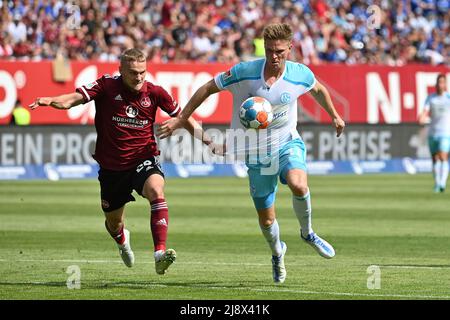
(279, 115)
(108, 76)
(146, 102)
(130, 122)
(91, 85)
(131, 111)
(227, 75)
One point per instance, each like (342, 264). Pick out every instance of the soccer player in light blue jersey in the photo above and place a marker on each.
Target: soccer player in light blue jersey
(437, 109)
(281, 82)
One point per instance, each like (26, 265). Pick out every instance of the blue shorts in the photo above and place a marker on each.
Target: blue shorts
(264, 179)
(439, 144)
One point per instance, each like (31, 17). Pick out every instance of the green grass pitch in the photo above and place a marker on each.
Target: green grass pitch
(394, 222)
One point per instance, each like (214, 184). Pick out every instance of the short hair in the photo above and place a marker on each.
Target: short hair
(278, 31)
(132, 55)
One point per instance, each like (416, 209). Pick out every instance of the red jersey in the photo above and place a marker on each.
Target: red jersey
(124, 120)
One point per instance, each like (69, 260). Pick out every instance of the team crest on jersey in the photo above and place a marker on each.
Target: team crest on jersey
(91, 85)
(285, 97)
(131, 111)
(146, 102)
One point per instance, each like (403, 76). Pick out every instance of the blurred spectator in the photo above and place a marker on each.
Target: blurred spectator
(326, 31)
(17, 29)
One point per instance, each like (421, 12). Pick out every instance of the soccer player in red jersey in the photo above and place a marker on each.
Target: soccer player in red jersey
(126, 148)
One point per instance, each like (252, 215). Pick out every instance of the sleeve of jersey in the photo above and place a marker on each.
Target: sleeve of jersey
(92, 90)
(308, 78)
(426, 106)
(167, 103)
(225, 80)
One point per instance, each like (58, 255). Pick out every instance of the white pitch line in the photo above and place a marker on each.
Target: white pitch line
(251, 289)
(414, 267)
(346, 294)
(202, 263)
(297, 291)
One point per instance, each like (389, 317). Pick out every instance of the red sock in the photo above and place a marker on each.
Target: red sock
(159, 222)
(119, 236)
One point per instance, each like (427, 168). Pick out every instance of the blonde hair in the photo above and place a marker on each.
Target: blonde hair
(278, 31)
(132, 55)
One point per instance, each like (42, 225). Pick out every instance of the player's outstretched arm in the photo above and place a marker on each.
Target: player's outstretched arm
(169, 126)
(322, 96)
(65, 101)
(196, 130)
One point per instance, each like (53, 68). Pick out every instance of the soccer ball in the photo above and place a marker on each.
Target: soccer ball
(256, 113)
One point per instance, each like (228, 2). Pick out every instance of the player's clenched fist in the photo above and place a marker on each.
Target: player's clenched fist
(339, 125)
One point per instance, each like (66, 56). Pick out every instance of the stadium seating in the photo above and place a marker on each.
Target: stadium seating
(333, 31)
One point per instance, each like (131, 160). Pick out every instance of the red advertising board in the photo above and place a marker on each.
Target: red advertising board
(362, 94)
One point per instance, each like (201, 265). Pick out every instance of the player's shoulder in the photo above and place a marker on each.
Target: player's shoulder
(108, 80)
(154, 88)
(249, 69)
(431, 96)
(298, 73)
(111, 78)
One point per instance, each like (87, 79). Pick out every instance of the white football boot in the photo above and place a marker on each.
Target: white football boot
(163, 260)
(125, 250)
(278, 268)
(322, 247)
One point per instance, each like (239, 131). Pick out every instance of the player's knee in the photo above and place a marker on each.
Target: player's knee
(154, 192)
(114, 223)
(266, 222)
(299, 189)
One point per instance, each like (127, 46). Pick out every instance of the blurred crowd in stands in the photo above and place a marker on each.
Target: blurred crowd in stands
(325, 31)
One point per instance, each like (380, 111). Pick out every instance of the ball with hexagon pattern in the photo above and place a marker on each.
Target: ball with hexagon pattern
(256, 113)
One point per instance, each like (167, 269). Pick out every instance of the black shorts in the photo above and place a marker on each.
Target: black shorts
(116, 187)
